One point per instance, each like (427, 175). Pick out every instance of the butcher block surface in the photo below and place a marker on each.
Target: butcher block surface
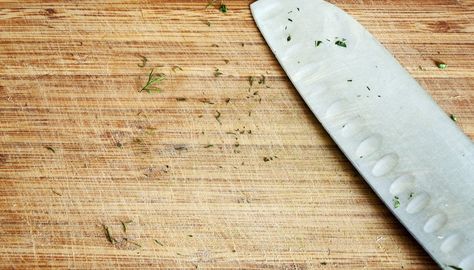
(216, 170)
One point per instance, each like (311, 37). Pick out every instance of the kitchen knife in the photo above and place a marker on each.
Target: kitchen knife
(408, 150)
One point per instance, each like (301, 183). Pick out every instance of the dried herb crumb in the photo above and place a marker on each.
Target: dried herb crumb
(190, 235)
(108, 235)
(56, 193)
(209, 146)
(179, 148)
(158, 242)
(317, 43)
(262, 79)
(368, 88)
(208, 23)
(290, 20)
(50, 149)
(288, 38)
(210, 3)
(207, 101)
(144, 61)
(324, 263)
(124, 225)
(217, 116)
(226, 61)
(180, 99)
(455, 267)
(251, 80)
(217, 72)
(349, 80)
(174, 68)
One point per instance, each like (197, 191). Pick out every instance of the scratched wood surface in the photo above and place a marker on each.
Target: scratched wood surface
(206, 173)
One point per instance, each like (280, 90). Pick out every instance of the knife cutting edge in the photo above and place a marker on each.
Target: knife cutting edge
(408, 150)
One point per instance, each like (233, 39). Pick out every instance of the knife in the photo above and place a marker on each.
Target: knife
(409, 151)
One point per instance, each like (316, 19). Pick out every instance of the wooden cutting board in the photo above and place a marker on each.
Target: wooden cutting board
(211, 172)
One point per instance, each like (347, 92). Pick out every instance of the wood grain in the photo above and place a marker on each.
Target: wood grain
(69, 80)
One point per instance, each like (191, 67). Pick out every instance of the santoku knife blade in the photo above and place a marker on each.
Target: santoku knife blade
(409, 151)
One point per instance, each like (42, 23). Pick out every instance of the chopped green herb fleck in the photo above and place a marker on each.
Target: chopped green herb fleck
(50, 149)
(324, 263)
(441, 65)
(158, 242)
(153, 79)
(341, 43)
(179, 148)
(396, 202)
(288, 38)
(124, 225)
(453, 117)
(410, 195)
(368, 88)
(290, 20)
(349, 80)
(208, 23)
(317, 43)
(144, 60)
(209, 146)
(223, 8)
(55, 192)
(108, 235)
(262, 79)
(190, 235)
(174, 68)
(217, 116)
(217, 72)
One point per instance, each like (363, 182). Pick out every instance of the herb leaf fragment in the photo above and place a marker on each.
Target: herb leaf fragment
(223, 8)
(441, 65)
(453, 117)
(396, 202)
(454, 267)
(341, 43)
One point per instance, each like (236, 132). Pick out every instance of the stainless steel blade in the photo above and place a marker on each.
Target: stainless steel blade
(409, 151)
